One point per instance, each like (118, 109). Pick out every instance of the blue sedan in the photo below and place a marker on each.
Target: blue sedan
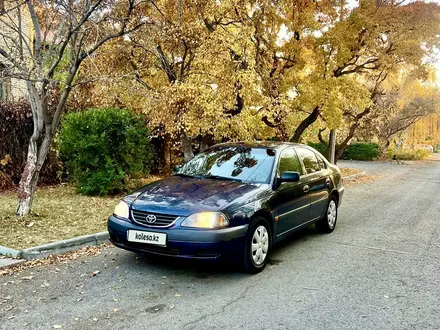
(234, 200)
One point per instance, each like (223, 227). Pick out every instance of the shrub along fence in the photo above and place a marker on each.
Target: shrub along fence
(408, 154)
(16, 127)
(103, 149)
(362, 151)
(355, 151)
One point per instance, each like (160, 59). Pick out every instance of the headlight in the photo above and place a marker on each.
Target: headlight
(122, 210)
(211, 220)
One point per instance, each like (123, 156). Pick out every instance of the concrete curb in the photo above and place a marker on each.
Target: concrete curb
(11, 253)
(45, 250)
(353, 176)
(8, 262)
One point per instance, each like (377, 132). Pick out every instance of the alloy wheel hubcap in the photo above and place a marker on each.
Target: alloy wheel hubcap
(331, 214)
(260, 245)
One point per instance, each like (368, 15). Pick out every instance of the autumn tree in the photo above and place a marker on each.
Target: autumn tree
(238, 69)
(64, 34)
(404, 105)
(371, 41)
(191, 73)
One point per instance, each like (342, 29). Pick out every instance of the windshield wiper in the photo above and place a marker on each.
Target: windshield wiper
(217, 177)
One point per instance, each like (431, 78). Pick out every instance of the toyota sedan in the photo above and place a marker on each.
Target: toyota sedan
(234, 200)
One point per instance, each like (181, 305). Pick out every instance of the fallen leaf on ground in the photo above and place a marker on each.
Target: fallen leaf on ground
(64, 258)
(27, 277)
(30, 224)
(57, 326)
(96, 272)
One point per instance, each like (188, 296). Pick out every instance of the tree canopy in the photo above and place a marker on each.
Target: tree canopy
(242, 69)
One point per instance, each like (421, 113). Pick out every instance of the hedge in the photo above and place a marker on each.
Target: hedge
(407, 154)
(362, 151)
(16, 127)
(355, 151)
(318, 146)
(104, 148)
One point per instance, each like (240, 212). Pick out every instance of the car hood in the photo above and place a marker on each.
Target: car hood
(184, 195)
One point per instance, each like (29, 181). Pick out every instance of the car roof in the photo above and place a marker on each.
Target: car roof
(260, 144)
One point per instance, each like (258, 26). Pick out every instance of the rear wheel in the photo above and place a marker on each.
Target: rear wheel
(258, 245)
(328, 223)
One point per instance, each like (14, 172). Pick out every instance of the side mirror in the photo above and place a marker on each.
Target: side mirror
(177, 168)
(289, 177)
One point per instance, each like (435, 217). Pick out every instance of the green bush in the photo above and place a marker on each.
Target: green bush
(362, 151)
(407, 154)
(318, 146)
(103, 148)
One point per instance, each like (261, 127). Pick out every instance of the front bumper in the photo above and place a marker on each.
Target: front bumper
(182, 242)
(341, 191)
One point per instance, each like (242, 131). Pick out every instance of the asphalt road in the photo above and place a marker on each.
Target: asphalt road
(378, 270)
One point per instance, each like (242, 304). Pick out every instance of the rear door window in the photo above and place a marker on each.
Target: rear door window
(321, 162)
(309, 160)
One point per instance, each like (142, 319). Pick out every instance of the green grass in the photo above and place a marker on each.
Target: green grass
(57, 213)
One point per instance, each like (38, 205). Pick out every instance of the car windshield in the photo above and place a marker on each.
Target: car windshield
(235, 163)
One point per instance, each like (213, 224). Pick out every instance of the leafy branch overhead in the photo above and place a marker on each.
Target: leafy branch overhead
(252, 70)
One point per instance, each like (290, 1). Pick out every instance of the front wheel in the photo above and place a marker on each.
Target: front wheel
(258, 244)
(328, 223)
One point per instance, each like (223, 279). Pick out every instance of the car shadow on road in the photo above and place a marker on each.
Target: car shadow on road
(203, 269)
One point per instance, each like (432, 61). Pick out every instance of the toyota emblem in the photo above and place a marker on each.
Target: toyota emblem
(151, 218)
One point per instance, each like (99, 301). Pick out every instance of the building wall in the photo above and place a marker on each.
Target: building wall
(15, 88)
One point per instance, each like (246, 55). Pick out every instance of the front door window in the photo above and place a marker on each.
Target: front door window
(289, 161)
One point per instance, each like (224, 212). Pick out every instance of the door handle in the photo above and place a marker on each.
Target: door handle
(306, 188)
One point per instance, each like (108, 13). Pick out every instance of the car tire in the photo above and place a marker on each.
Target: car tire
(328, 223)
(257, 246)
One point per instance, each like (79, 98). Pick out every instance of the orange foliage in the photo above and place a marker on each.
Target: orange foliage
(425, 131)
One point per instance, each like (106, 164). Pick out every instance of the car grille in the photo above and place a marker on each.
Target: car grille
(162, 220)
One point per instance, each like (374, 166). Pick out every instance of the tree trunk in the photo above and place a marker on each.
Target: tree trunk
(340, 148)
(309, 120)
(29, 179)
(339, 151)
(205, 142)
(188, 152)
(37, 151)
(332, 147)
